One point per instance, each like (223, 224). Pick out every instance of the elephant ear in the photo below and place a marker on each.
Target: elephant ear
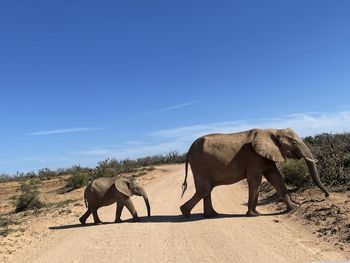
(122, 186)
(265, 144)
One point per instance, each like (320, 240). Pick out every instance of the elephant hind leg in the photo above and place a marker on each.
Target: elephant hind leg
(97, 220)
(188, 206)
(208, 207)
(203, 188)
(84, 217)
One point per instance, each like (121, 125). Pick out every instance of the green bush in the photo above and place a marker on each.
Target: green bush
(172, 157)
(113, 167)
(5, 178)
(333, 154)
(29, 197)
(46, 174)
(295, 172)
(105, 168)
(78, 180)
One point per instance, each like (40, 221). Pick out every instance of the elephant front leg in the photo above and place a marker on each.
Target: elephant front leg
(118, 213)
(254, 181)
(274, 177)
(130, 206)
(208, 207)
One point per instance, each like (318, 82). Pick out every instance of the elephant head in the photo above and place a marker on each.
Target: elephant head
(277, 145)
(130, 187)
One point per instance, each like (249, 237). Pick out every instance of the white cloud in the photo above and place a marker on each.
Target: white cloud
(150, 149)
(133, 151)
(304, 124)
(180, 138)
(134, 143)
(96, 152)
(21, 160)
(60, 131)
(169, 108)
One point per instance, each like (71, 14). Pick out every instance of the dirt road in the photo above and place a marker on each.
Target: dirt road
(168, 237)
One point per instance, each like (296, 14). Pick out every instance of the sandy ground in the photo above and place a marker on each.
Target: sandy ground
(168, 237)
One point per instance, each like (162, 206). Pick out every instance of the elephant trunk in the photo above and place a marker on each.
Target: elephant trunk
(311, 164)
(145, 197)
(315, 177)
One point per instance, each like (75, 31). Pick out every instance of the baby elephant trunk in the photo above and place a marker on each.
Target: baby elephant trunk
(143, 193)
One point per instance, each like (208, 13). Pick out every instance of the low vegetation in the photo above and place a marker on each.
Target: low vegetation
(333, 154)
(29, 197)
(77, 180)
(5, 224)
(80, 176)
(5, 231)
(43, 174)
(295, 173)
(331, 150)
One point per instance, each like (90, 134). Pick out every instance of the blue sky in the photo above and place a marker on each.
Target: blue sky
(82, 81)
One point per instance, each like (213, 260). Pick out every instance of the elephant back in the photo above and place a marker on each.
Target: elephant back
(101, 185)
(223, 147)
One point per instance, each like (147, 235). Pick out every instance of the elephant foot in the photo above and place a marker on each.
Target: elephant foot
(252, 213)
(255, 211)
(185, 212)
(211, 214)
(82, 221)
(136, 219)
(118, 221)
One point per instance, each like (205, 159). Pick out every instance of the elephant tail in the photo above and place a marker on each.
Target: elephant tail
(85, 199)
(184, 185)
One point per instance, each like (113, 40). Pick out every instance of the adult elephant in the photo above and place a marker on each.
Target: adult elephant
(221, 159)
(105, 191)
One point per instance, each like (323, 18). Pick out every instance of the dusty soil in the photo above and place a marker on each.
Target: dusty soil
(28, 229)
(327, 218)
(54, 235)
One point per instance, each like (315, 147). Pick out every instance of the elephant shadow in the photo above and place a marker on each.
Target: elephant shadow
(273, 197)
(194, 217)
(162, 219)
(181, 218)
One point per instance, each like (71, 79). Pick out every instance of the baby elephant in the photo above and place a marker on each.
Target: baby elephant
(106, 191)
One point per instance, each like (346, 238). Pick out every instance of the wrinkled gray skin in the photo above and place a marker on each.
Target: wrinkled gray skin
(106, 191)
(221, 159)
